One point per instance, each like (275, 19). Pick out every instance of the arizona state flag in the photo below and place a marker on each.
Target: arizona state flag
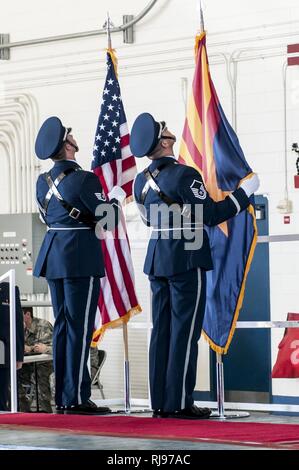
(210, 145)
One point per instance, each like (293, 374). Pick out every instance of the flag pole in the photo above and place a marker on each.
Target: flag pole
(108, 25)
(220, 414)
(219, 363)
(127, 370)
(127, 384)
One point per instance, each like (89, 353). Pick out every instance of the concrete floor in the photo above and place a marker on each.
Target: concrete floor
(37, 440)
(19, 440)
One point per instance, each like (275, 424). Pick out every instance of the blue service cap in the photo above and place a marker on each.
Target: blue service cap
(50, 138)
(145, 135)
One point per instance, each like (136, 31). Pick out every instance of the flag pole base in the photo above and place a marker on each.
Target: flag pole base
(229, 415)
(132, 411)
(221, 415)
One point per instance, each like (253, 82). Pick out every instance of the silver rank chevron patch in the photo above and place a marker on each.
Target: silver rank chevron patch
(198, 190)
(101, 196)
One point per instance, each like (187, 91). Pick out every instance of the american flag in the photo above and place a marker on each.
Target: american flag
(114, 164)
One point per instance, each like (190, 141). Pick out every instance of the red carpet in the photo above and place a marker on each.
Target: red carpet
(281, 435)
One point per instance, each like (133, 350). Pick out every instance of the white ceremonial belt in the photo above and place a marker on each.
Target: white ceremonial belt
(178, 228)
(68, 228)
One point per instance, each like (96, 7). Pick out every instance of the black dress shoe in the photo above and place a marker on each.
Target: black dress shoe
(194, 412)
(88, 408)
(59, 410)
(160, 414)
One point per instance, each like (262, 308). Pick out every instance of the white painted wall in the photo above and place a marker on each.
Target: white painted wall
(67, 78)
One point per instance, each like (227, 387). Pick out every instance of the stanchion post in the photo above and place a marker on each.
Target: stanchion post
(220, 386)
(127, 371)
(13, 354)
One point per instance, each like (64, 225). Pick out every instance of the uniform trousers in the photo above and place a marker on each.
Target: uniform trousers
(178, 305)
(75, 304)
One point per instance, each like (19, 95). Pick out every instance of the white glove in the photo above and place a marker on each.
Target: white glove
(117, 193)
(250, 185)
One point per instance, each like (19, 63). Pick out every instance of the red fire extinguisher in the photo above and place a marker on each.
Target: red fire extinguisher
(295, 148)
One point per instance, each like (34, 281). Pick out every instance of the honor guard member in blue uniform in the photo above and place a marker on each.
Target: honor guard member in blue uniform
(71, 260)
(5, 341)
(177, 274)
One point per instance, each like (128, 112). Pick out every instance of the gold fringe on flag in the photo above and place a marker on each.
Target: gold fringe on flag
(99, 334)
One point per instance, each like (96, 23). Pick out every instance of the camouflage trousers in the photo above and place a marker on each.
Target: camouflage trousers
(26, 377)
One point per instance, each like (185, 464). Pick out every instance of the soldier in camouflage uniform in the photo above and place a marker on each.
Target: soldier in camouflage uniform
(38, 339)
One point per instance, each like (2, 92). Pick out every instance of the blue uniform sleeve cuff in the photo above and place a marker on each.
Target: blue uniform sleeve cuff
(241, 198)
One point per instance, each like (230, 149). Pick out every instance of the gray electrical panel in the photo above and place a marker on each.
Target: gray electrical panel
(21, 236)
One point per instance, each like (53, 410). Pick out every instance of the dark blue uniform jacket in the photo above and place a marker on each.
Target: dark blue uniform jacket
(71, 253)
(167, 256)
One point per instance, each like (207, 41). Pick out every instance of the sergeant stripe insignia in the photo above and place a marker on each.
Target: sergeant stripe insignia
(198, 190)
(101, 196)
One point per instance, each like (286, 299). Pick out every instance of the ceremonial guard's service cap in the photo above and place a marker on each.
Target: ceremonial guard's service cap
(50, 138)
(145, 135)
